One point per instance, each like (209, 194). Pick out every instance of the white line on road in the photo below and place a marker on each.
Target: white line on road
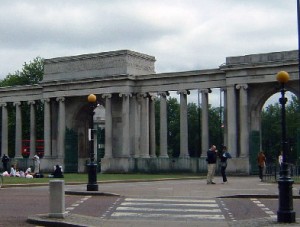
(168, 210)
(147, 215)
(169, 204)
(171, 200)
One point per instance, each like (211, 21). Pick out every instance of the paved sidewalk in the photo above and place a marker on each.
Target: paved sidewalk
(237, 187)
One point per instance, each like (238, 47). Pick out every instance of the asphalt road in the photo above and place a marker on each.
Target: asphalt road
(164, 200)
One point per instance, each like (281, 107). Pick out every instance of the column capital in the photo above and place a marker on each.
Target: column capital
(242, 86)
(32, 102)
(107, 96)
(205, 90)
(152, 97)
(184, 92)
(143, 95)
(60, 99)
(128, 94)
(17, 103)
(45, 100)
(3, 104)
(163, 93)
(224, 89)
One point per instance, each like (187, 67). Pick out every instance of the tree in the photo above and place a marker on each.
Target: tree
(215, 126)
(271, 129)
(173, 110)
(31, 73)
(194, 130)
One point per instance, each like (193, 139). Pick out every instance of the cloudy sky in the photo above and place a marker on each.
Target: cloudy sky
(182, 34)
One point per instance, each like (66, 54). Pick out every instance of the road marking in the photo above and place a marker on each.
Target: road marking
(172, 200)
(168, 209)
(264, 208)
(77, 203)
(170, 204)
(177, 216)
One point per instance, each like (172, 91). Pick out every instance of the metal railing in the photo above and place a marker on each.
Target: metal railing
(272, 172)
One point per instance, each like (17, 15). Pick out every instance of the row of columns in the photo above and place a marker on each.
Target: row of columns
(47, 128)
(146, 125)
(147, 121)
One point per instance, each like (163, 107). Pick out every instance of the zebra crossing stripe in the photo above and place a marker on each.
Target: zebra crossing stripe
(149, 215)
(172, 200)
(169, 204)
(168, 210)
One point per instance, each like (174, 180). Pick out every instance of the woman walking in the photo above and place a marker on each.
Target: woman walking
(223, 158)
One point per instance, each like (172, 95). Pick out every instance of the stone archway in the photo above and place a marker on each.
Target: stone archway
(127, 82)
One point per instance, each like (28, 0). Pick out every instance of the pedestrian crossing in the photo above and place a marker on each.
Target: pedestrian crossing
(168, 209)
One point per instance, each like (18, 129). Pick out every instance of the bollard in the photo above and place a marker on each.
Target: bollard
(57, 199)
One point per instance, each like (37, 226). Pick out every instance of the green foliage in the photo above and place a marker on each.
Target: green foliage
(194, 130)
(215, 126)
(173, 110)
(194, 127)
(31, 73)
(271, 129)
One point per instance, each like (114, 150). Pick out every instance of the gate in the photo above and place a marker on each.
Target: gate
(71, 151)
(254, 147)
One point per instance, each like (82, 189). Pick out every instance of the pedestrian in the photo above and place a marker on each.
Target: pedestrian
(36, 160)
(261, 161)
(13, 171)
(211, 164)
(5, 160)
(280, 159)
(57, 172)
(223, 160)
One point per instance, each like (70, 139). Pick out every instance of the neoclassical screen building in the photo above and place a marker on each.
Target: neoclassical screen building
(126, 86)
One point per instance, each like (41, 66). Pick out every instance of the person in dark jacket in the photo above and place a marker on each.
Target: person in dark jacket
(58, 172)
(211, 164)
(5, 160)
(223, 160)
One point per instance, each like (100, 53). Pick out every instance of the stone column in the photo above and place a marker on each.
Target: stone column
(204, 122)
(47, 128)
(61, 127)
(163, 125)
(4, 129)
(32, 128)
(152, 127)
(18, 142)
(225, 117)
(244, 129)
(125, 122)
(231, 121)
(144, 126)
(136, 127)
(108, 126)
(184, 148)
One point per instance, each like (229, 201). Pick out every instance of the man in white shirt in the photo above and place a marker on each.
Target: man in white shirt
(36, 160)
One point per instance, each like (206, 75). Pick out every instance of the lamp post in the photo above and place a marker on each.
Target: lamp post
(92, 166)
(285, 212)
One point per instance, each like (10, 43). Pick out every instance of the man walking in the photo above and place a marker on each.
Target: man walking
(211, 164)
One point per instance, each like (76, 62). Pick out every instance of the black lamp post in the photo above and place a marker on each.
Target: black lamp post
(285, 212)
(92, 166)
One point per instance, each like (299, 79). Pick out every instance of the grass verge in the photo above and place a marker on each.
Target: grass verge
(83, 178)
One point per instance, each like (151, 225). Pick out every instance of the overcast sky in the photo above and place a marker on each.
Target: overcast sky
(182, 34)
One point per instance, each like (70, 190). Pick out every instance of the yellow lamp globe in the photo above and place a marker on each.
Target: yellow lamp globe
(282, 77)
(92, 98)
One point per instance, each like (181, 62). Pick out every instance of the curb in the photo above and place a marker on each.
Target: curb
(92, 193)
(247, 196)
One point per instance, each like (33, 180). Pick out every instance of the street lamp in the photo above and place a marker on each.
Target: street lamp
(92, 166)
(285, 212)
